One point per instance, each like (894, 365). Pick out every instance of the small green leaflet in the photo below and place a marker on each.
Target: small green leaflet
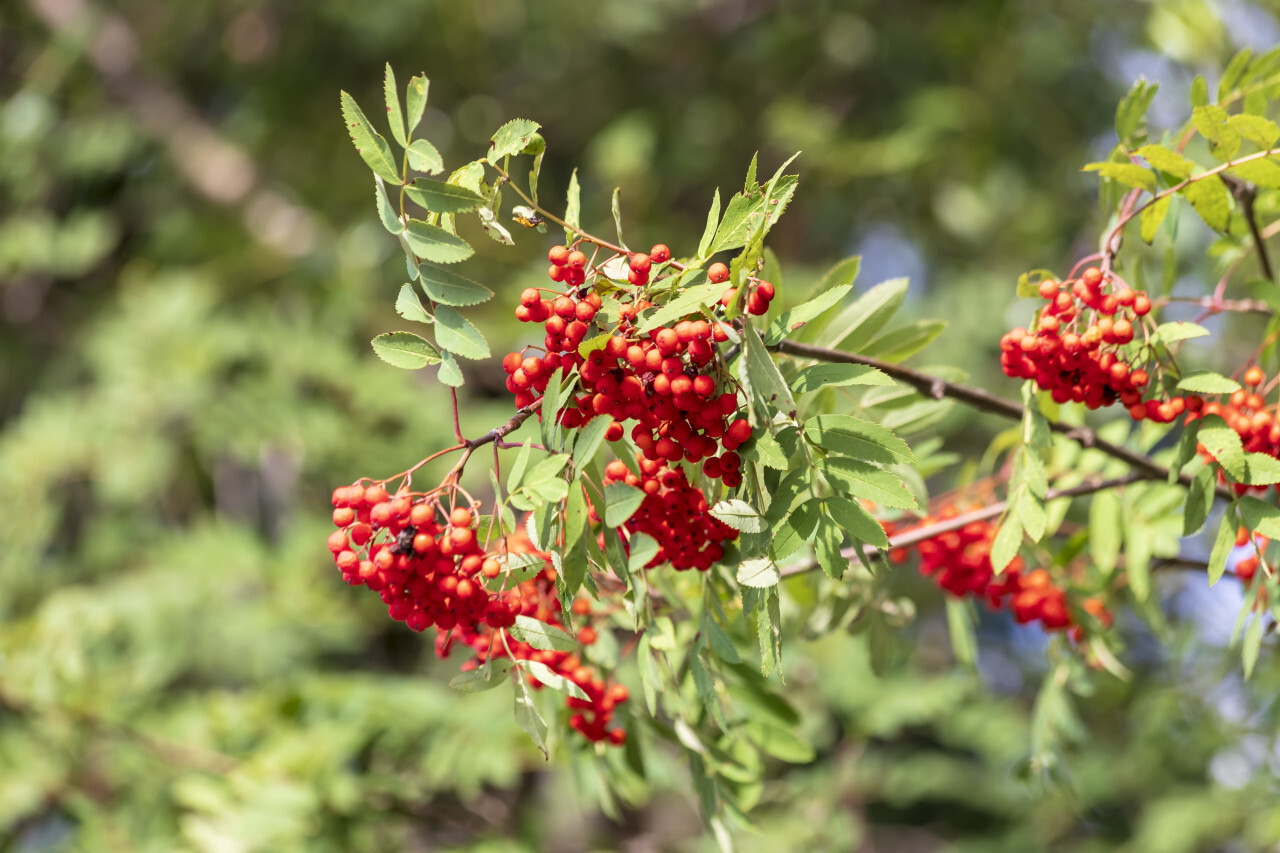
(695, 294)
(1264, 173)
(1207, 382)
(552, 679)
(1166, 160)
(792, 319)
(405, 349)
(865, 317)
(1105, 530)
(416, 100)
(1261, 131)
(904, 341)
(739, 515)
(759, 574)
(1152, 216)
(1259, 517)
(743, 214)
(391, 92)
(423, 157)
(617, 215)
(409, 306)
(450, 373)
(528, 718)
(1179, 331)
(1133, 106)
(1199, 500)
(960, 624)
(449, 288)
(540, 635)
(620, 503)
(794, 530)
(857, 521)
(721, 644)
(439, 197)
(1005, 545)
(1212, 200)
(457, 334)
(373, 148)
(1252, 645)
(819, 376)
(590, 438)
(857, 439)
(1232, 74)
(766, 450)
(1224, 444)
(482, 678)
(860, 480)
(573, 209)
(779, 742)
(433, 243)
(512, 138)
(1129, 174)
(1261, 469)
(1223, 544)
(713, 218)
(386, 213)
(643, 549)
(764, 375)
(826, 548)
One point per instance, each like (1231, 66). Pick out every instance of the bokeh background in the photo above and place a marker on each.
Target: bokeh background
(191, 270)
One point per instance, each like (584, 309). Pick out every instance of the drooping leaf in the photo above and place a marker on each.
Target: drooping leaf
(759, 574)
(410, 307)
(1223, 543)
(528, 718)
(433, 243)
(860, 524)
(552, 679)
(1129, 174)
(512, 138)
(391, 93)
(450, 373)
(540, 635)
(713, 219)
(764, 374)
(794, 318)
(483, 678)
(905, 341)
(1152, 217)
(1212, 200)
(386, 213)
(457, 334)
(860, 480)
(440, 197)
(405, 349)
(423, 157)
(447, 287)
(573, 208)
(373, 148)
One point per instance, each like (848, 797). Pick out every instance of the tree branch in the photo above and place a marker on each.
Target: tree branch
(1245, 193)
(984, 401)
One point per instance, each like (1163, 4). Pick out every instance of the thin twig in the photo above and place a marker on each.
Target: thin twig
(1246, 193)
(937, 388)
(496, 434)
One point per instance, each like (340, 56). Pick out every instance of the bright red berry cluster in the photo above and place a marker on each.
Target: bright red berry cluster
(674, 513)
(421, 558)
(537, 598)
(430, 570)
(759, 292)
(959, 561)
(1077, 351)
(670, 381)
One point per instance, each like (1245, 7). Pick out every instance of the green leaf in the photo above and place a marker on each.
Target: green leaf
(750, 186)
(482, 678)
(373, 148)
(1233, 73)
(794, 531)
(457, 334)
(410, 307)
(516, 475)
(405, 349)
(1129, 174)
(538, 148)
(391, 92)
(778, 742)
(1264, 173)
(1186, 450)
(1261, 469)
(1259, 517)
(766, 450)
(826, 548)
(551, 678)
(617, 215)
(423, 157)
(713, 218)
(819, 376)
(416, 100)
(857, 438)
(1176, 331)
(641, 549)
(1199, 500)
(1006, 543)
(764, 375)
(386, 213)
(1133, 106)
(449, 288)
(1199, 92)
(528, 718)
(439, 197)
(450, 373)
(1166, 160)
(1223, 544)
(857, 521)
(573, 209)
(865, 317)
(495, 230)
(540, 635)
(1252, 645)
(1211, 122)
(695, 295)
(1211, 199)
(721, 644)
(743, 215)
(964, 645)
(1224, 443)
(739, 515)
(1207, 382)
(1152, 217)
(544, 481)
(904, 341)
(791, 320)
(1261, 131)
(759, 574)
(860, 480)
(512, 138)
(620, 503)
(433, 243)
(1105, 513)
(590, 437)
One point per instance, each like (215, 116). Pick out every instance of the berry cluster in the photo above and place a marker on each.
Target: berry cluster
(1077, 353)
(670, 381)
(430, 570)
(759, 294)
(959, 561)
(537, 599)
(675, 514)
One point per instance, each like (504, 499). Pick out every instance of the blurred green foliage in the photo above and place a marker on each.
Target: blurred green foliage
(190, 273)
